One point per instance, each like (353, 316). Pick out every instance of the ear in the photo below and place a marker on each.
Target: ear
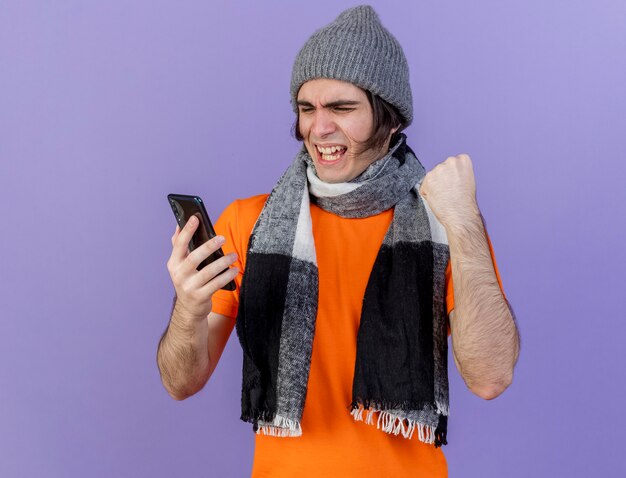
(393, 130)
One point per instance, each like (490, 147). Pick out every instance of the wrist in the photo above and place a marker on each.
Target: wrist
(185, 317)
(463, 219)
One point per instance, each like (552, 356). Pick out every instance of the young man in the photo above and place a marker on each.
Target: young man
(358, 266)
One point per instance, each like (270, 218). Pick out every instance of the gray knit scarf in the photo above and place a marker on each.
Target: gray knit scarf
(401, 369)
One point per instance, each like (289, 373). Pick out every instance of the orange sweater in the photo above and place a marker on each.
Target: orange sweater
(332, 443)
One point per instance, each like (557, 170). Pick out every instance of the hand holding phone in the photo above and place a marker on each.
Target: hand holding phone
(197, 265)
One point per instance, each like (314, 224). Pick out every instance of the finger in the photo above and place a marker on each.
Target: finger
(215, 268)
(424, 186)
(203, 251)
(176, 232)
(220, 281)
(181, 244)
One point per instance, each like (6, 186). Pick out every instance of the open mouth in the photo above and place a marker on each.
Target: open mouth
(330, 154)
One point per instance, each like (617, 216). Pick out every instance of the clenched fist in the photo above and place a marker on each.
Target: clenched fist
(450, 190)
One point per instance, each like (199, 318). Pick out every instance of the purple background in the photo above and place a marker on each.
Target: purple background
(106, 107)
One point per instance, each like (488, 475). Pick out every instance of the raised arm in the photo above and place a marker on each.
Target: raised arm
(485, 339)
(194, 340)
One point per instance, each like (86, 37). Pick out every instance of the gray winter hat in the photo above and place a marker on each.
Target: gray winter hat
(358, 49)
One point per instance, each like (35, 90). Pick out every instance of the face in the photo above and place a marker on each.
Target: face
(335, 117)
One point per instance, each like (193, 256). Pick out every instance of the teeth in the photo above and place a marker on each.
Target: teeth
(330, 150)
(328, 157)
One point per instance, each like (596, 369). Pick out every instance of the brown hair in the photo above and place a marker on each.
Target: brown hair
(386, 117)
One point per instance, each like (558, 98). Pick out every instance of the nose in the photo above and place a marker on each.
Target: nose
(323, 124)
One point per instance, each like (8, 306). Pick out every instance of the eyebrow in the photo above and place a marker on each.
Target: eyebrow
(332, 104)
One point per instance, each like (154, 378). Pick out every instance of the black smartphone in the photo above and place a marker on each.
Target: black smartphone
(184, 207)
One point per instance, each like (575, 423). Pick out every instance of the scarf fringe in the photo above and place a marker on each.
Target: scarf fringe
(393, 424)
(281, 427)
(439, 407)
(442, 409)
